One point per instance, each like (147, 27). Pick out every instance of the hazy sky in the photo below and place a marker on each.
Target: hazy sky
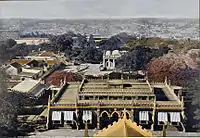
(99, 9)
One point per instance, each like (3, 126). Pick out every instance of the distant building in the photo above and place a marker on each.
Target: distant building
(97, 38)
(31, 73)
(25, 69)
(32, 41)
(31, 63)
(13, 69)
(43, 55)
(40, 57)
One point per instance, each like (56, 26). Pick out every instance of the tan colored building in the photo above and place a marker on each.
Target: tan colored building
(101, 102)
(32, 41)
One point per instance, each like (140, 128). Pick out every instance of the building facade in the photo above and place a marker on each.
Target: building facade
(101, 102)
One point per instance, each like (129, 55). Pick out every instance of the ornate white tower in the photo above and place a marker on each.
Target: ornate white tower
(109, 59)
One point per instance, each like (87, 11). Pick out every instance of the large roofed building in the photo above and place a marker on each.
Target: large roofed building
(101, 102)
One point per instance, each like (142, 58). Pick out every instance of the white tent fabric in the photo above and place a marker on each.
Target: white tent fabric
(68, 115)
(87, 115)
(56, 115)
(175, 117)
(162, 116)
(144, 116)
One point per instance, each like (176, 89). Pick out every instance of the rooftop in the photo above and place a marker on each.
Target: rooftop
(69, 95)
(34, 71)
(16, 65)
(26, 74)
(47, 54)
(25, 86)
(124, 93)
(20, 61)
(38, 89)
(26, 61)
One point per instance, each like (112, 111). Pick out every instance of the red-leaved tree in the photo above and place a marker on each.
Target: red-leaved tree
(60, 76)
(179, 69)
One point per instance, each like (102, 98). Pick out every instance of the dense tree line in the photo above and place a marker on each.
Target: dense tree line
(76, 47)
(6, 49)
(177, 45)
(116, 42)
(139, 57)
(194, 105)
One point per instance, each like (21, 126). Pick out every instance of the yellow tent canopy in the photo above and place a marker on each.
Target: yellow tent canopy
(123, 128)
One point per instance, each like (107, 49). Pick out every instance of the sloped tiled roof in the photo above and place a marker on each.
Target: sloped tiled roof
(21, 61)
(16, 65)
(51, 62)
(26, 86)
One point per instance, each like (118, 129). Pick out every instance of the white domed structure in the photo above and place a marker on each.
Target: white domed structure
(108, 53)
(116, 53)
(109, 59)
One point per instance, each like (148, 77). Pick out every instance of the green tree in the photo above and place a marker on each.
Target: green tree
(195, 98)
(12, 103)
(91, 41)
(10, 43)
(7, 112)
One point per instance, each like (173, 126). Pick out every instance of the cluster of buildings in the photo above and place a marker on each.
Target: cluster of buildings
(101, 98)
(27, 75)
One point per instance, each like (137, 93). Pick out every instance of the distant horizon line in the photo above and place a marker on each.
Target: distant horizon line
(142, 17)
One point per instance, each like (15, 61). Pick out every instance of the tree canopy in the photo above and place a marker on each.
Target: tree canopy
(174, 44)
(178, 69)
(139, 57)
(195, 98)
